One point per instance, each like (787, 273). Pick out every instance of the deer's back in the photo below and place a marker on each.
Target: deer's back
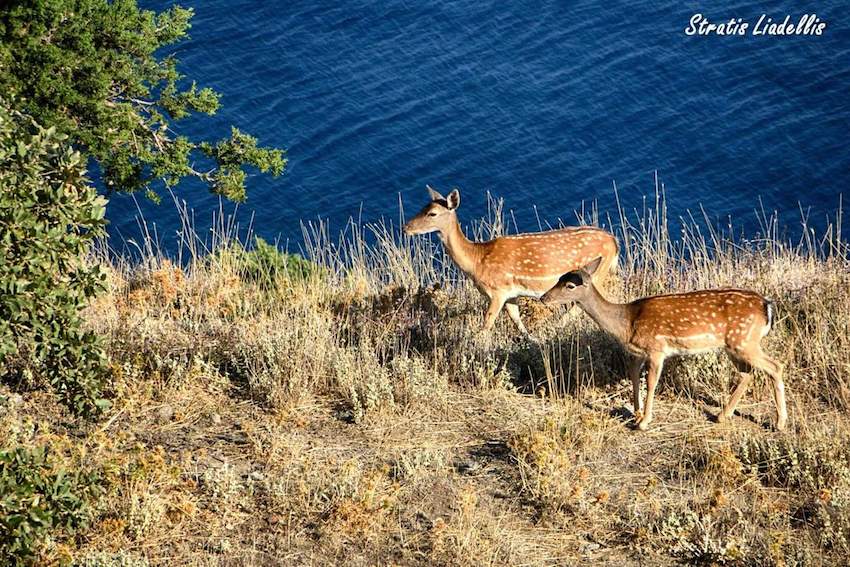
(531, 263)
(699, 320)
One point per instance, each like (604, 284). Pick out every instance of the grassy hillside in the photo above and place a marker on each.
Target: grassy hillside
(267, 411)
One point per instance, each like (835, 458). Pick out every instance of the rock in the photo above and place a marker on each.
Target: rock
(467, 466)
(215, 419)
(165, 413)
(590, 547)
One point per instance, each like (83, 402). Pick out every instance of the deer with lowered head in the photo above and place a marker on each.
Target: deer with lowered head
(508, 267)
(653, 328)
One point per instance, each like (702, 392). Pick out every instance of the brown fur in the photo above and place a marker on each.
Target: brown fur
(523, 265)
(654, 328)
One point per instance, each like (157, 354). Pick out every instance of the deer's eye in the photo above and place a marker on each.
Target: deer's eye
(570, 285)
(432, 214)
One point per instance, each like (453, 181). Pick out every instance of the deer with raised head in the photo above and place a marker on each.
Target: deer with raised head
(508, 267)
(656, 327)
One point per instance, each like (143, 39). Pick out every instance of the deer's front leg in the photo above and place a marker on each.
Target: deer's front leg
(656, 364)
(497, 301)
(513, 311)
(635, 366)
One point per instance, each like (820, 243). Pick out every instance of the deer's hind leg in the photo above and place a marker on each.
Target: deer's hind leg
(776, 370)
(756, 358)
(605, 275)
(746, 372)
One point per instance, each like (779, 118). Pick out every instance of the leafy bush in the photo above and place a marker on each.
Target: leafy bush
(37, 501)
(49, 215)
(265, 264)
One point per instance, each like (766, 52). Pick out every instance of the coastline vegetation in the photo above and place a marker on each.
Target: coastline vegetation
(268, 409)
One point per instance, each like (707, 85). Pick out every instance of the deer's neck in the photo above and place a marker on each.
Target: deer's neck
(615, 318)
(464, 252)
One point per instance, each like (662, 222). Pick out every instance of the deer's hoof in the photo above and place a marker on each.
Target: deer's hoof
(643, 425)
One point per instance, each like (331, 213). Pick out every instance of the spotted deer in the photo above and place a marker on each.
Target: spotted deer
(508, 267)
(656, 327)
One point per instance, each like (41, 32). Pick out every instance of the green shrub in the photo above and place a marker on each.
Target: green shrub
(49, 216)
(37, 501)
(265, 264)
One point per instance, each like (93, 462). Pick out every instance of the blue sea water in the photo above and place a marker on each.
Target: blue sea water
(546, 104)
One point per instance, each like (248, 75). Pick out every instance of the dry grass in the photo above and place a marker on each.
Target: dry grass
(358, 417)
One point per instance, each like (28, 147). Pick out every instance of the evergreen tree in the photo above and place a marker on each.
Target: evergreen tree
(91, 70)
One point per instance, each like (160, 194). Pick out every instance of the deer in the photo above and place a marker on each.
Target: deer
(653, 328)
(509, 267)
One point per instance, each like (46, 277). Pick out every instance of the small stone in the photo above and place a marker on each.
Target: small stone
(591, 547)
(257, 475)
(165, 413)
(215, 419)
(467, 466)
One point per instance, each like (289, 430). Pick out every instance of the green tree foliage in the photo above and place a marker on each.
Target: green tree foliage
(36, 500)
(90, 69)
(49, 215)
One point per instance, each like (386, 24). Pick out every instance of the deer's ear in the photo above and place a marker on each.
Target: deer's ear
(435, 195)
(593, 266)
(453, 200)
